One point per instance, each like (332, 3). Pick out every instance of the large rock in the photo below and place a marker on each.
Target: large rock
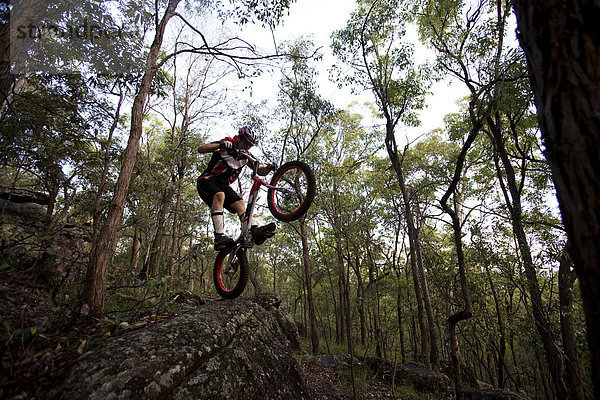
(221, 350)
(417, 375)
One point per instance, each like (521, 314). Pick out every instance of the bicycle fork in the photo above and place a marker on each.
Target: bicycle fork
(244, 241)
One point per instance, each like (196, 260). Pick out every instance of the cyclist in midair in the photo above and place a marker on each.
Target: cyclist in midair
(214, 187)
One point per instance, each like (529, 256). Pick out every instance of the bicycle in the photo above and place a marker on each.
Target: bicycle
(290, 194)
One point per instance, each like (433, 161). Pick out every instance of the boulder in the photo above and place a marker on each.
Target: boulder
(492, 394)
(221, 350)
(415, 374)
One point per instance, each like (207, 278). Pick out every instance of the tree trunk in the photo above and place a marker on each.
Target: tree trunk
(312, 314)
(454, 212)
(461, 315)
(500, 363)
(97, 209)
(348, 317)
(94, 291)
(135, 249)
(400, 325)
(553, 357)
(341, 332)
(175, 231)
(361, 298)
(566, 278)
(429, 337)
(425, 355)
(151, 269)
(562, 45)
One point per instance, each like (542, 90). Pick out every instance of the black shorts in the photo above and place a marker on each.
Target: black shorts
(207, 188)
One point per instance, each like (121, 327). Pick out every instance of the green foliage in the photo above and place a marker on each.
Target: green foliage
(373, 44)
(265, 12)
(407, 392)
(47, 133)
(362, 377)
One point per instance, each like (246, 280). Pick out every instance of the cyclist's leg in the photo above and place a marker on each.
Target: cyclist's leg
(259, 234)
(239, 207)
(234, 203)
(214, 196)
(216, 213)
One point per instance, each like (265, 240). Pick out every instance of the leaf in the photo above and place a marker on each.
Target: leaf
(81, 347)
(33, 330)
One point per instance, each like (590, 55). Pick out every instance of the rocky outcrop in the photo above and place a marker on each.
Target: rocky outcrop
(417, 375)
(221, 350)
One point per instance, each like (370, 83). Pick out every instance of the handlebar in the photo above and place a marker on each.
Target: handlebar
(250, 157)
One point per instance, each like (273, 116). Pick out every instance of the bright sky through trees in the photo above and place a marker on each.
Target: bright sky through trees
(317, 19)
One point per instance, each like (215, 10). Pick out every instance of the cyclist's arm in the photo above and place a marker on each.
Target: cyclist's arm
(208, 147)
(265, 169)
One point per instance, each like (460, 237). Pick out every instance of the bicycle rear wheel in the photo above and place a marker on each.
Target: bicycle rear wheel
(294, 190)
(230, 278)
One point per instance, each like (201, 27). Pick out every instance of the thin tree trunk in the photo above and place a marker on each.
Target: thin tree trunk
(94, 291)
(500, 363)
(361, 298)
(566, 278)
(467, 312)
(428, 336)
(175, 230)
(151, 269)
(400, 325)
(553, 357)
(348, 315)
(97, 210)
(135, 248)
(314, 331)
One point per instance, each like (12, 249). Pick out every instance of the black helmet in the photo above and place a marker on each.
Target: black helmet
(247, 133)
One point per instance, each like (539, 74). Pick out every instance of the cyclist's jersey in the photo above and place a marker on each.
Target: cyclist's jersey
(225, 166)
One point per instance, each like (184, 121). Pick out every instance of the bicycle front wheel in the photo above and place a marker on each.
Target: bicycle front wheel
(293, 191)
(230, 274)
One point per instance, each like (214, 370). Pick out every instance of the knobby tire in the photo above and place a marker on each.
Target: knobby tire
(296, 176)
(230, 287)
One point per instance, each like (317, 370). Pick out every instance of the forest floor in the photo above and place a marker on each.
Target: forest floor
(324, 382)
(40, 343)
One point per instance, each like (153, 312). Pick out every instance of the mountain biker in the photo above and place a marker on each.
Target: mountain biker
(214, 187)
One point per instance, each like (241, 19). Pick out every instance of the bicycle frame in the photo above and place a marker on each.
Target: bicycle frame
(244, 241)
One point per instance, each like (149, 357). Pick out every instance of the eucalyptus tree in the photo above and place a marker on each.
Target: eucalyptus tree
(346, 149)
(470, 43)
(193, 99)
(373, 44)
(264, 11)
(303, 112)
(513, 177)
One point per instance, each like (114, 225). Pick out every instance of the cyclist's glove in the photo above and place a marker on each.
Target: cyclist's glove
(225, 145)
